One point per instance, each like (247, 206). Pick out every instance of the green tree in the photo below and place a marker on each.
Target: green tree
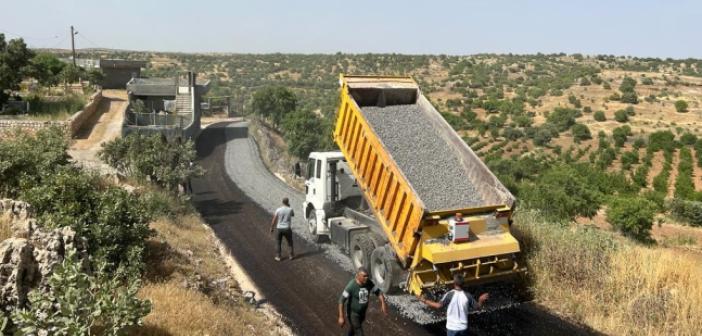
(621, 116)
(620, 135)
(14, 61)
(562, 193)
(580, 133)
(46, 69)
(95, 76)
(599, 116)
(301, 130)
(681, 106)
(628, 93)
(563, 118)
(274, 103)
(70, 74)
(633, 216)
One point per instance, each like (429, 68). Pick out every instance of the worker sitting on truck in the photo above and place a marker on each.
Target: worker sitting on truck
(355, 300)
(459, 303)
(459, 229)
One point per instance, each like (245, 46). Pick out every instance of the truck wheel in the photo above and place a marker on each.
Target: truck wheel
(385, 271)
(360, 250)
(312, 223)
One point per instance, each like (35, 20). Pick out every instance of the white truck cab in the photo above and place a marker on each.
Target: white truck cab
(329, 186)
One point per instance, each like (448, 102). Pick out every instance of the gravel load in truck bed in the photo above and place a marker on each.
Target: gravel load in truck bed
(428, 161)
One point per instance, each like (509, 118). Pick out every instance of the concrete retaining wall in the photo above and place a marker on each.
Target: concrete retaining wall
(77, 120)
(72, 125)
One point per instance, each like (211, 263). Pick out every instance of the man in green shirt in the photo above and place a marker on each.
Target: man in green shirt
(355, 300)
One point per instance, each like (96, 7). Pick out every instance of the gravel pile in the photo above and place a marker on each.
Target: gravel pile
(432, 168)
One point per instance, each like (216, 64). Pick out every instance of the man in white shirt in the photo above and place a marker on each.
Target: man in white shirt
(458, 303)
(282, 221)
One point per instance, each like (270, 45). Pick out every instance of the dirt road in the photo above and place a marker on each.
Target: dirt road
(105, 125)
(236, 197)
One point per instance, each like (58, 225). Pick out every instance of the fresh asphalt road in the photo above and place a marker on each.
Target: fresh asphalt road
(236, 197)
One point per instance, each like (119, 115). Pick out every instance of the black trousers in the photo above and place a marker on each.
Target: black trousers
(355, 325)
(287, 234)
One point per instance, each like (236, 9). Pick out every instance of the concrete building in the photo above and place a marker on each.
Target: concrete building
(170, 106)
(119, 72)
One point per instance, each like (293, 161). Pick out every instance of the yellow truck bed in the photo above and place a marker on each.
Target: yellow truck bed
(409, 224)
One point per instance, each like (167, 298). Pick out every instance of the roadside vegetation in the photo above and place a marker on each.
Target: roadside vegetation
(95, 294)
(151, 268)
(185, 278)
(42, 82)
(611, 284)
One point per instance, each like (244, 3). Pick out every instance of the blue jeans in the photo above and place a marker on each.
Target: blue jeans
(457, 332)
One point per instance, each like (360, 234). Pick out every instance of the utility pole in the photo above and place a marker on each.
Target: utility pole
(73, 45)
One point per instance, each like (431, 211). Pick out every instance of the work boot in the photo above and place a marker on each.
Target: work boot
(277, 258)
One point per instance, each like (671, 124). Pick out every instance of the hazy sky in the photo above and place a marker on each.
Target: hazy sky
(626, 27)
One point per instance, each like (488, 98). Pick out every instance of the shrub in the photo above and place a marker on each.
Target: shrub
(640, 175)
(580, 133)
(639, 143)
(599, 116)
(562, 193)
(26, 158)
(633, 216)
(629, 158)
(646, 81)
(629, 98)
(563, 118)
(621, 116)
(688, 139)
(688, 211)
(168, 164)
(664, 140)
(630, 110)
(620, 135)
(681, 106)
(80, 304)
(684, 186)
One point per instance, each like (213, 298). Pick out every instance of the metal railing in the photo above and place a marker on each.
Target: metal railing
(157, 119)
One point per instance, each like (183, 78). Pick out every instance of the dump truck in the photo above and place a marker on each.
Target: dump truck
(405, 196)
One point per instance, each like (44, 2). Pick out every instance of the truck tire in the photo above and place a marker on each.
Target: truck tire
(360, 251)
(385, 272)
(312, 223)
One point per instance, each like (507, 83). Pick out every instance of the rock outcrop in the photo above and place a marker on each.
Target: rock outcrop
(30, 255)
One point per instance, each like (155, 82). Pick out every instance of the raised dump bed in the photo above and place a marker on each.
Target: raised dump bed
(415, 171)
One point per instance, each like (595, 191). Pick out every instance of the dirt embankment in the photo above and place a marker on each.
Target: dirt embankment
(274, 151)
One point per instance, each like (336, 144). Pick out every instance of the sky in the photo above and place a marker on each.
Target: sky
(641, 28)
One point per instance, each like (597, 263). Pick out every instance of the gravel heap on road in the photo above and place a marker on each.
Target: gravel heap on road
(433, 169)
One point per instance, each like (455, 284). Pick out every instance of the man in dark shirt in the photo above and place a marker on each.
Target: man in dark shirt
(355, 300)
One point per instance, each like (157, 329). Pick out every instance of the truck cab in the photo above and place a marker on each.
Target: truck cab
(329, 187)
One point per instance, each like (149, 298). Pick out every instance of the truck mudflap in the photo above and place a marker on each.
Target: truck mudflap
(485, 258)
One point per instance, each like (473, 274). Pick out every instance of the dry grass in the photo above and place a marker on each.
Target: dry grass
(5, 229)
(182, 251)
(179, 311)
(610, 284)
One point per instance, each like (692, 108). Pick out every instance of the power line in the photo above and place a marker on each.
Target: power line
(81, 35)
(59, 43)
(4, 31)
